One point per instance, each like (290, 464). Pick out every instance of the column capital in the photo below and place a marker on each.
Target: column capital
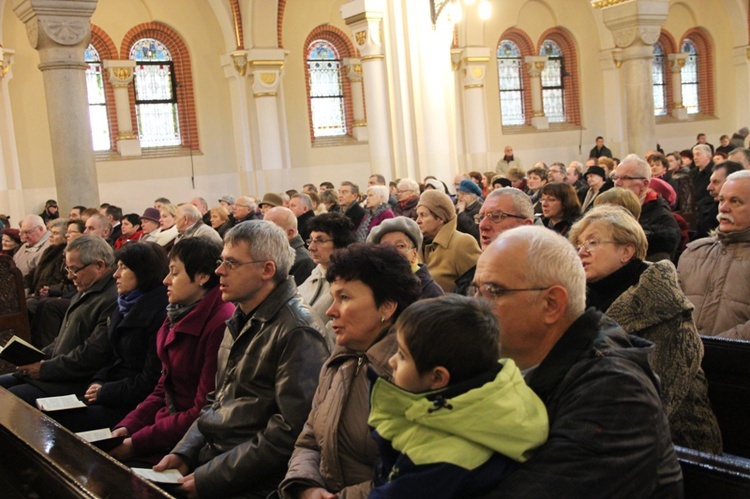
(6, 60)
(636, 22)
(266, 69)
(676, 61)
(474, 61)
(365, 19)
(353, 68)
(51, 22)
(535, 64)
(120, 71)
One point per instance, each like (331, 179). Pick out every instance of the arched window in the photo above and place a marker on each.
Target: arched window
(155, 94)
(327, 104)
(510, 79)
(97, 101)
(552, 82)
(660, 88)
(689, 73)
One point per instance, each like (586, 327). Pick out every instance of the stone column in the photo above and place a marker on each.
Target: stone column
(676, 63)
(354, 73)
(120, 76)
(365, 19)
(11, 193)
(60, 32)
(535, 65)
(474, 60)
(266, 67)
(635, 26)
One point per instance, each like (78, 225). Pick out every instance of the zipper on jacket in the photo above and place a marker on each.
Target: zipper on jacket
(359, 364)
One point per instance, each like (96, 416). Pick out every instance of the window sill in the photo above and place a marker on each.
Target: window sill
(342, 140)
(553, 127)
(148, 153)
(669, 120)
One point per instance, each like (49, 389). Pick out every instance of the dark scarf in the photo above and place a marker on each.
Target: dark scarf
(175, 311)
(601, 294)
(364, 226)
(125, 302)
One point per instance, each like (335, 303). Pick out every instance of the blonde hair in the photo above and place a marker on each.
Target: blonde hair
(169, 208)
(619, 222)
(619, 196)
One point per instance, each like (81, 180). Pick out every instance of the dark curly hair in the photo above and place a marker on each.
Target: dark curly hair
(336, 225)
(382, 269)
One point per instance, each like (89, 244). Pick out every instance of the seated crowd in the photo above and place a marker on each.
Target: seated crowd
(515, 334)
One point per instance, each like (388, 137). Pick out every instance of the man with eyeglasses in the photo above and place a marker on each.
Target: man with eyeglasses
(349, 202)
(243, 209)
(556, 173)
(35, 238)
(503, 209)
(608, 435)
(268, 367)
(82, 346)
(662, 231)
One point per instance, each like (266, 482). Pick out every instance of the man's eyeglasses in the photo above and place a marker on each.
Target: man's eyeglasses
(491, 291)
(317, 242)
(232, 264)
(591, 245)
(496, 217)
(626, 177)
(74, 272)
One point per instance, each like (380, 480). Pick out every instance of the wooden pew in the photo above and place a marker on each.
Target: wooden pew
(41, 459)
(726, 363)
(708, 475)
(14, 319)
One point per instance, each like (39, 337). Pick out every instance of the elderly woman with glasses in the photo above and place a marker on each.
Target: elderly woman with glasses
(403, 234)
(646, 300)
(328, 232)
(335, 455)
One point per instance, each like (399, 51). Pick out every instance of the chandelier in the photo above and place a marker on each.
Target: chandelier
(453, 9)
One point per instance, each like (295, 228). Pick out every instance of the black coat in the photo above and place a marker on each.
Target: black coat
(662, 232)
(303, 262)
(303, 224)
(355, 213)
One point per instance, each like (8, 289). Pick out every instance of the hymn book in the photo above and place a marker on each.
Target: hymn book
(101, 438)
(62, 403)
(167, 476)
(20, 353)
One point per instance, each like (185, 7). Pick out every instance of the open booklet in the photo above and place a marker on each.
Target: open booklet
(101, 438)
(20, 353)
(167, 476)
(62, 403)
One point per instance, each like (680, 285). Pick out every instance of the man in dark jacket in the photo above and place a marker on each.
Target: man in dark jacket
(268, 366)
(707, 208)
(303, 262)
(608, 436)
(302, 207)
(600, 149)
(349, 202)
(82, 347)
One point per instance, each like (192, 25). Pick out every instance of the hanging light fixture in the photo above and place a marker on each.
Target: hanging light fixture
(485, 10)
(454, 12)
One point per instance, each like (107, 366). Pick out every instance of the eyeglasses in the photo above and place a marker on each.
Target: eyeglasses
(317, 242)
(548, 199)
(625, 177)
(404, 191)
(232, 264)
(496, 217)
(591, 245)
(74, 273)
(403, 247)
(242, 205)
(491, 291)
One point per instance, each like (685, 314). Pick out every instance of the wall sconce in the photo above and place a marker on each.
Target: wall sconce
(454, 12)
(239, 61)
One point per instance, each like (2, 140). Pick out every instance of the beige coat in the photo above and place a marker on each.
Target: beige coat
(335, 450)
(449, 255)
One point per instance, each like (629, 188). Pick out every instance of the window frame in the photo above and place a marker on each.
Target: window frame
(520, 90)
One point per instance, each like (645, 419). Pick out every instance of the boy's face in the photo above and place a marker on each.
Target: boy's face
(405, 374)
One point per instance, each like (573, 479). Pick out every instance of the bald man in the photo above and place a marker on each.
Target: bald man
(287, 220)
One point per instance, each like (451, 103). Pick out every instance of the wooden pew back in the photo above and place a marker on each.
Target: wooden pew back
(708, 475)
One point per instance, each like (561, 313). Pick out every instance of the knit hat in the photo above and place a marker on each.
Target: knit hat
(404, 225)
(435, 184)
(470, 187)
(438, 203)
(271, 199)
(227, 198)
(15, 234)
(597, 170)
(151, 214)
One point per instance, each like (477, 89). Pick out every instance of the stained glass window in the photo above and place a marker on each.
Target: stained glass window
(552, 82)
(510, 78)
(97, 102)
(660, 88)
(689, 75)
(155, 96)
(326, 89)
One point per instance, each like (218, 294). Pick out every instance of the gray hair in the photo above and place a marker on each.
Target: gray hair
(266, 241)
(521, 202)
(92, 248)
(381, 192)
(408, 184)
(703, 148)
(104, 222)
(191, 212)
(740, 175)
(641, 166)
(60, 223)
(306, 200)
(745, 156)
(34, 221)
(554, 261)
(578, 167)
(249, 201)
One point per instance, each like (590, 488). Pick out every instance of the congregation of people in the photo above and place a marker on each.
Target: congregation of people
(514, 333)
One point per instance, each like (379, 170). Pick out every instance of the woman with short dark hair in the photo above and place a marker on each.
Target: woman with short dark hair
(560, 207)
(131, 230)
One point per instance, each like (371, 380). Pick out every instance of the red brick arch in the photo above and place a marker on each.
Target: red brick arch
(705, 47)
(107, 49)
(183, 74)
(526, 46)
(669, 46)
(566, 42)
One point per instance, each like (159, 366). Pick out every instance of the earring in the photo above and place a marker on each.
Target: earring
(382, 318)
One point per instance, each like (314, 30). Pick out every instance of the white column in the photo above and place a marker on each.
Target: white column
(474, 60)
(365, 19)
(235, 66)
(635, 26)
(60, 32)
(354, 73)
(266, 67)
(11, 193)
(535, 65)
(676, 63)
(120, 76)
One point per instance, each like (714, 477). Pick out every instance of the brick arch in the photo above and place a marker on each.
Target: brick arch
(705, 47)
(280, 23)
(669, 46)
(182, 73)
(526, 46)
(234, 6)
(107, 49)
(345, 48)
(565, 40)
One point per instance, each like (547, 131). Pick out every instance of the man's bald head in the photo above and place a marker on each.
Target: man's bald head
(284, 218)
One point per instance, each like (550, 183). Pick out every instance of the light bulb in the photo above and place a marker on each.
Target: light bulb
(469, 2)
(485, 10)
(456, 13)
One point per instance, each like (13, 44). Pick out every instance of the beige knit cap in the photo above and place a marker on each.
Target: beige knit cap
(439, 203)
